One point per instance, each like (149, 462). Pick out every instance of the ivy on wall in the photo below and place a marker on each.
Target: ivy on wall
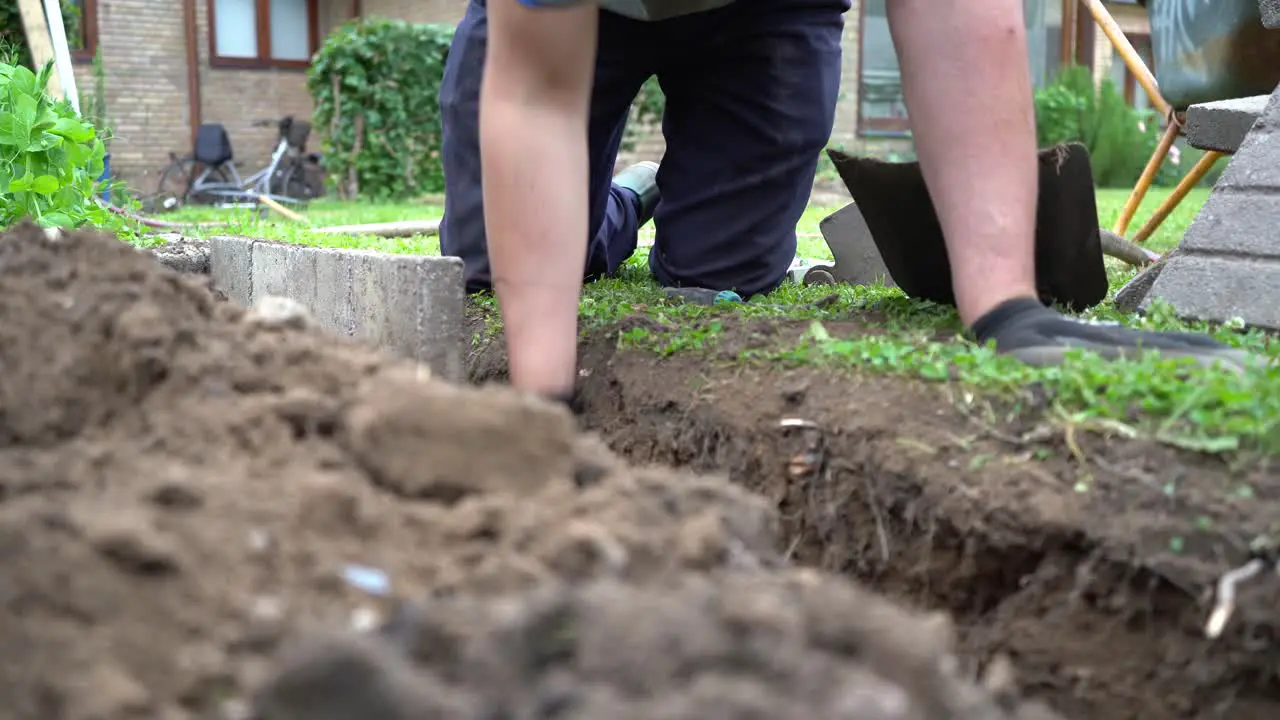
(376, 86)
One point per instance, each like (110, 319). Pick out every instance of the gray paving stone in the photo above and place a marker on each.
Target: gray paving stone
(1239, 223)
(1223, 125)
(1229, 266)
(1270, 13)
(1220, 289)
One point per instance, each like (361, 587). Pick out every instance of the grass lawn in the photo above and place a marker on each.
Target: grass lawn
(1201, 409)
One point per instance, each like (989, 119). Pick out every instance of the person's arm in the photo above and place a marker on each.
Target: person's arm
(534, 107)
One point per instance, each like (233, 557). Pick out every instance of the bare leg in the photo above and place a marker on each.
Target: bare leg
(966, 77)
(533, 145)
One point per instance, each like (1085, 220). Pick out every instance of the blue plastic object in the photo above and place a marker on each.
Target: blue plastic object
(106, 175)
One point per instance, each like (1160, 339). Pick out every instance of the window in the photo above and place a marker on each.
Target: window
(80, 20)
(1044, 38)
(262, 33)
(881, 107)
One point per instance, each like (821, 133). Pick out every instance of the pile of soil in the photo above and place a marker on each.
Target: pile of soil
(185, 486)
(721, 646)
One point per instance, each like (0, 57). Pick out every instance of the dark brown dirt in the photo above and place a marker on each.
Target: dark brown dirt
(1090, 560)
(185, 486)
(727, 646)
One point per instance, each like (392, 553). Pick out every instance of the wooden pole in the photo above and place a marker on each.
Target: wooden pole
(1130, 56)
(1148, 176)
(1170, 203)
(38, 40)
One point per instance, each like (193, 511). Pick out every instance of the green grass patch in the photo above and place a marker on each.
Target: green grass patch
(1209, 410)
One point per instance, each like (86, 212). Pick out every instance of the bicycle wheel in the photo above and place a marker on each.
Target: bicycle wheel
(293, 181)
(177, 179)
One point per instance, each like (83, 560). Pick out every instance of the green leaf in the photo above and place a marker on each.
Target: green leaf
(45, 184)
(73, 130)
(21, 184)
(23, 82)
(56, 218)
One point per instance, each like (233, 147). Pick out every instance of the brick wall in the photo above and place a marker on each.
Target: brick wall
(144, 55)
(143, 47)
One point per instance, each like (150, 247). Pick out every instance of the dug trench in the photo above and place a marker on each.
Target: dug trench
(1089, 560)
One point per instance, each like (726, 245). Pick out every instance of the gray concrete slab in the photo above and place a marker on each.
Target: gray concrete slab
(1220, 289)
(857, 259)
(1229, 265)
(1270, 13)
(1222, 126)
(271, 268)
(231, 265)
(412, 305)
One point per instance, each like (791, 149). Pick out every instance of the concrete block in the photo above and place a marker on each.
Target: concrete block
(1237, 223)
(271, 268)
(857, 259)
(1229, 266)
(231, 265)
(368, 296)
(1220, 289)
(411, 305)
(332, 302)
(425, 311)
(1270, 13)
(1256, 165)
(1223, 125)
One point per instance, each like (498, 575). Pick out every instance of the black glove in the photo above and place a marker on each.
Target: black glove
(1037, 335)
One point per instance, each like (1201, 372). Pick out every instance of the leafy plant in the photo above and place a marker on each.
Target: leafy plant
(1119, 137)
(50, 159)
(646, 114)
(11, 30)
(376, 86)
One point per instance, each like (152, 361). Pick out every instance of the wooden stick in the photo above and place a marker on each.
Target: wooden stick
(407, 228)
(1130, 56)
(1148, 176)
(1116, 246)
(1170, 203)
(286, 212)
(161, 224)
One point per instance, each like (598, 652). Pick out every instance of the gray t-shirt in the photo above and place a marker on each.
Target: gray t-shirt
(660, 9)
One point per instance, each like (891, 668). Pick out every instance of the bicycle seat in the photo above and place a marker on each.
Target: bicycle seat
(213, 145)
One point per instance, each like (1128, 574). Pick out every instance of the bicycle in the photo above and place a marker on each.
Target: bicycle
(209, 175)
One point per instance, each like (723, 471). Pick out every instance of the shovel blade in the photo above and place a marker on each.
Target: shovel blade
(896, 206)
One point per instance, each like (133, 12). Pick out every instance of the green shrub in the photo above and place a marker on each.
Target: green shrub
(1120, 138)
(376, 86)
(646, 114)
(50, 159)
